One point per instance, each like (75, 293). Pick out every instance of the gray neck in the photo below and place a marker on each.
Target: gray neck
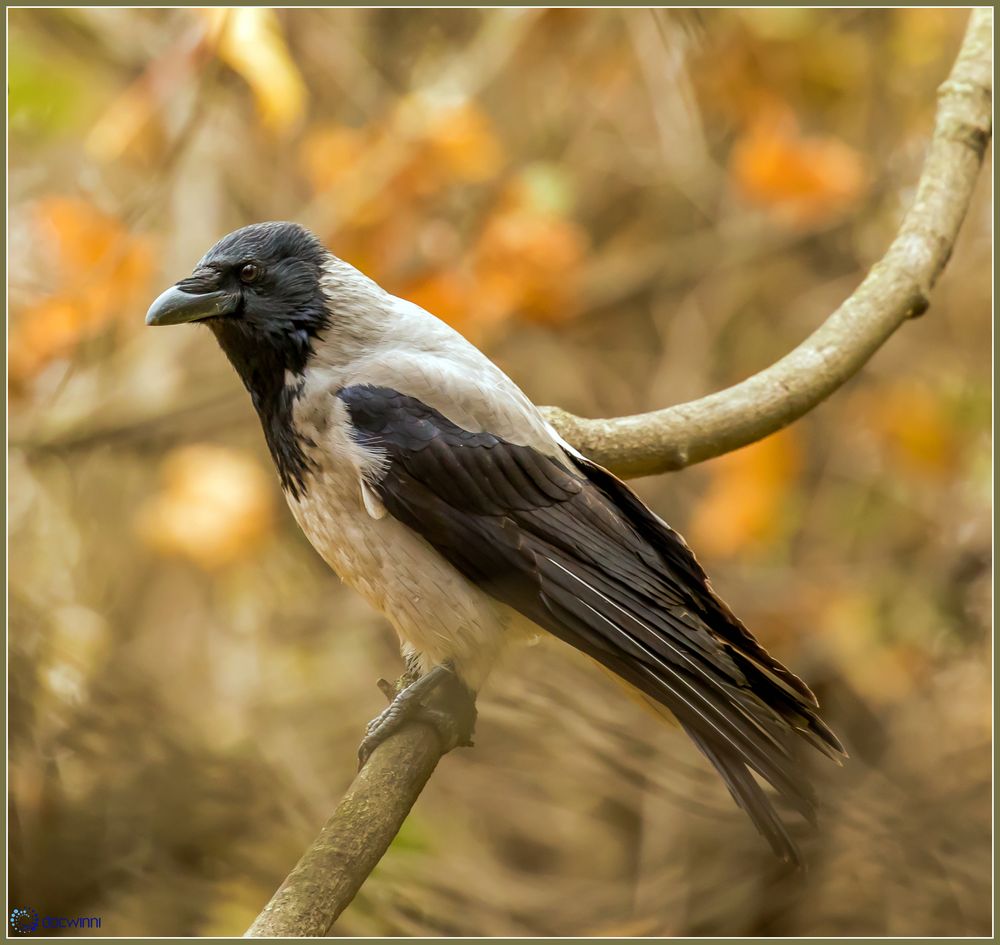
(361, 315)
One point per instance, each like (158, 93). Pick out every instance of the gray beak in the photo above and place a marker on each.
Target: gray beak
(175, 306)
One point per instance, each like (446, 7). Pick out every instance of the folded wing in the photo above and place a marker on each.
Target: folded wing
(572, 548)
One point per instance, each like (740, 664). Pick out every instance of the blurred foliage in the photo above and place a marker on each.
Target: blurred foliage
(626, 209)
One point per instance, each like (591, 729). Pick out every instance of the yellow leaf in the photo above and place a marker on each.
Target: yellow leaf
(920, 36)
(250, 41)
(783, 23)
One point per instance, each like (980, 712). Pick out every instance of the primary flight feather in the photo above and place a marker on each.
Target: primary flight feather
(430, 483)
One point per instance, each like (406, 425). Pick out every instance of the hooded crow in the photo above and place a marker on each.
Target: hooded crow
(432, 485)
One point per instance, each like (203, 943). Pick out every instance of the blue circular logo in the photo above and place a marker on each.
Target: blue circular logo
(24, 921)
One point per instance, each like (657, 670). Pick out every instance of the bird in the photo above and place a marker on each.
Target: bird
(432, 485)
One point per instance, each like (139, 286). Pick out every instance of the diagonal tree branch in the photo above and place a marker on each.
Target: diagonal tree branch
(355, 837)
(360, 830)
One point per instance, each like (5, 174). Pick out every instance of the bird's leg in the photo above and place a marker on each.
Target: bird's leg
(452, 713)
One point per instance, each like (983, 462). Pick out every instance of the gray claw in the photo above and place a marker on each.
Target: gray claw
(453, 716)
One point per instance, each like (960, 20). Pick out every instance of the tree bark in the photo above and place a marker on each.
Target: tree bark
(360, 830)
(355, 837)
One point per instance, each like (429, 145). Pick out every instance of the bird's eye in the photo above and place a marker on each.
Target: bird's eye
(249, 272)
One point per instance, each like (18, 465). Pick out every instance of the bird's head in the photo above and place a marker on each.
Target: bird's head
(260, 291)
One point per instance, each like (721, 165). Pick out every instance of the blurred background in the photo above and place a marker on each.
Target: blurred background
(625, 209)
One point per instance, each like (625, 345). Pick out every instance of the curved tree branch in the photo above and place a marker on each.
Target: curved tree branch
(360, 830)
(896, 288)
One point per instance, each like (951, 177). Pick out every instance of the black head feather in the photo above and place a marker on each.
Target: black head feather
(280, 310)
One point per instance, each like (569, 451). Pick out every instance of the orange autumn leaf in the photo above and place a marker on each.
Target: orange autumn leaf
(528, 263)
(463, 139)
(524, 265)
(337, 161)
(801, 180)
(100, 272)
(449, 143)
(214, 507)
(913, 422)
(745, 505)
(49, 329)
(82, 235)
(529, 256)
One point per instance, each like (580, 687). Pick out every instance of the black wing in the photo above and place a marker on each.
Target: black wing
(574, 550)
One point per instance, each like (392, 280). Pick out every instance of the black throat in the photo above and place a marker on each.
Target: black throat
(271, 369)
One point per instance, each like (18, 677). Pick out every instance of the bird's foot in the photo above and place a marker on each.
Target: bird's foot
(452, 713)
